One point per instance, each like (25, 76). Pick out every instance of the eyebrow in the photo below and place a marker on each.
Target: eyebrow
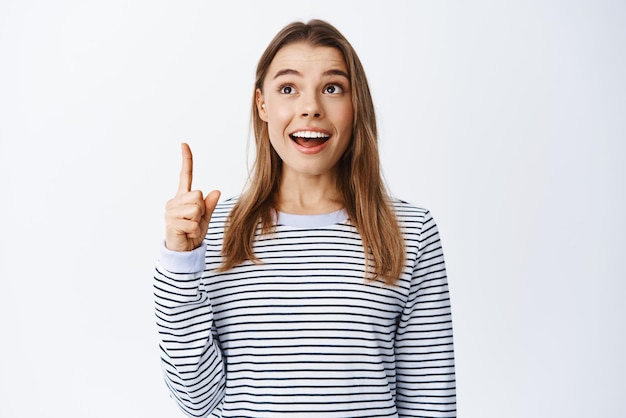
(289, 71)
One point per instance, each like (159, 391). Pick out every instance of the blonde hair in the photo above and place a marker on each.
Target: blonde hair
(359, 181)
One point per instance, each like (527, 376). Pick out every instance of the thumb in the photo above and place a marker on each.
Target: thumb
(210, 201)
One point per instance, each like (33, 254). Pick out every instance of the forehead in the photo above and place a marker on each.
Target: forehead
(303, 56)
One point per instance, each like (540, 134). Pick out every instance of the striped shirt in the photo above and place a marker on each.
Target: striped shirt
(303, 334)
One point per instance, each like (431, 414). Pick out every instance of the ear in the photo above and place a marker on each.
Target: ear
(260, 105)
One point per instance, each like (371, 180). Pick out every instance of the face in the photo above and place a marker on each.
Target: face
(307, 105)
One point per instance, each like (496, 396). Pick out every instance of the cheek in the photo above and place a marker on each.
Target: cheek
(346, 123)
(278, 120)
(344, 116)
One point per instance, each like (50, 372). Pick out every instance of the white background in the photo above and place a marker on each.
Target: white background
(505, 118)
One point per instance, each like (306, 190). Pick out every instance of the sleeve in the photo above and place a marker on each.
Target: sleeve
(190, 356)
(183, 261)
(425, 375)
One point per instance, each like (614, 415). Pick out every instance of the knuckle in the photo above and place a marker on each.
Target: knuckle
(194, 212)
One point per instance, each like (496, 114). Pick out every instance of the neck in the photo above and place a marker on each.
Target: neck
(309, 195)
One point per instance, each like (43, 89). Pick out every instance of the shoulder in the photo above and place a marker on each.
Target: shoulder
(224, 206)
(413, 220)
(408, 212)
(221, 212)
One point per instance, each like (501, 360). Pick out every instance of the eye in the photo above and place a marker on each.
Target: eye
(333, 89)
(287, 90)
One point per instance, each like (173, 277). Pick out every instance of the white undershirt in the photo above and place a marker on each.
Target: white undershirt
(312, 221)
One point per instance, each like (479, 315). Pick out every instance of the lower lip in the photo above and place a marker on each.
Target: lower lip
(310, 150)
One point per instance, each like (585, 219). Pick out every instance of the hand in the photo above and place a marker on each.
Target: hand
(187, 215)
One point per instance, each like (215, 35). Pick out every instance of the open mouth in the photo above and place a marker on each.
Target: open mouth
(309, 139)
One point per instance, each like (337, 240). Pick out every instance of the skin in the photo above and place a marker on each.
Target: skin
(188, 213)
(306, 89)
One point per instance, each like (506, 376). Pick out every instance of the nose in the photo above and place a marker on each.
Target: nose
(311, 107)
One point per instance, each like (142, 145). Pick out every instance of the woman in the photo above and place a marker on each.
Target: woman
(314, 293)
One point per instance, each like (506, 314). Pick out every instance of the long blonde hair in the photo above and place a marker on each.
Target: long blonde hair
(359, 181)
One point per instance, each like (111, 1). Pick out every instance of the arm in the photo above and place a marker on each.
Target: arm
(190, 356)
(424, 349)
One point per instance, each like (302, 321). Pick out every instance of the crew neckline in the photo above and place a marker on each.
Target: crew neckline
(312, 221)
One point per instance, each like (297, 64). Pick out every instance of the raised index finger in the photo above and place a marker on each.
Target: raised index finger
(186, 172)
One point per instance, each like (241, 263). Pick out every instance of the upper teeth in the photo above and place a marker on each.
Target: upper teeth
(310, 134)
